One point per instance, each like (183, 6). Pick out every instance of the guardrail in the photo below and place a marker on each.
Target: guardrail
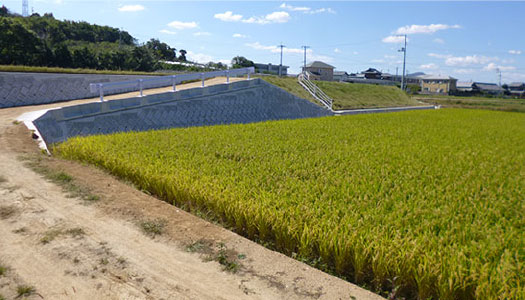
(315, 91)
(169, 80)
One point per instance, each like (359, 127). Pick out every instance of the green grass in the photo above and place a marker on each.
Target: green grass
(153, 227)
(290, 85)
(66, 181)
(503, 104)
(348, 95)
(24, 290)
(32, 69)
(428, 204)
(357, 95)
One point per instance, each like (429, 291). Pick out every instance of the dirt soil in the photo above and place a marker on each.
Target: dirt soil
(83, 237)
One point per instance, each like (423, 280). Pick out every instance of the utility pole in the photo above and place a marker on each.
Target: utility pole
(304, 65)
(499, 72)
(25, 8)
(281, 64)
(404, 50)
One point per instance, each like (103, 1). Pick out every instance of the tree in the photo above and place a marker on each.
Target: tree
(241, 62)
(161, 50)
(62, 56)
(182, 56)
(3, 11)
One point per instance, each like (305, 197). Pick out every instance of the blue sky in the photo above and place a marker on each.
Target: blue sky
(466, 40)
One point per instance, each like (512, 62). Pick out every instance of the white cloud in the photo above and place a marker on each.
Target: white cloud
(438, 41)
(430, 66)
(306, 9)
(437, 55)
(202, 33)
(239, 36)
(199, 57)
(495, 67)
(337, 50)
(513, 76)
(274, 17)
(321, 10)
(425, 29)
(468, 60)
(204, 58)
(294, 8)
(355, 53)
(228, 17)
(394, 39)
(131, 8)
(183, 25)
(464, 71)
(166, 31)
(515, 52)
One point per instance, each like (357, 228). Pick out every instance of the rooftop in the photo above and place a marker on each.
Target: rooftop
(319, 64)
(436, 77)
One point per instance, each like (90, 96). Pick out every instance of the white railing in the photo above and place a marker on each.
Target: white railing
(316, 92)
(169, 80)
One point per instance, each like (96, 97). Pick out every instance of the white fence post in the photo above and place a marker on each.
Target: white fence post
(101, 90)
(202, 77)
(140, 87)
(227, 76)
(173, 83)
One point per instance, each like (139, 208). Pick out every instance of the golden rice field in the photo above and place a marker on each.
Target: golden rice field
(430, 204)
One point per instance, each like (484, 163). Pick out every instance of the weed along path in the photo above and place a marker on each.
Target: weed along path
(70, 231)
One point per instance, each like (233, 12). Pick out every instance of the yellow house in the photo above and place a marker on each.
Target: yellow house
(437, 84)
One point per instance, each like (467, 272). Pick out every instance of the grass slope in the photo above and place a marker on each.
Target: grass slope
(427, 204)
(32, 69)
(348, 95)
(503, 104)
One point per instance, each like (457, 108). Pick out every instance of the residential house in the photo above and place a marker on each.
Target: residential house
(517, 89)
(340, 76)
(437, 84)
(479, 88)
(271, 69)
(320, 71)
(372, 73)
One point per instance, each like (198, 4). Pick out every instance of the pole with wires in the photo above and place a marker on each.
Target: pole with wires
(304, 63)
(404, 50)
(281, 64)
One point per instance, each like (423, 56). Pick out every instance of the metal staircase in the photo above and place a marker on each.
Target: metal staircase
(316, 92)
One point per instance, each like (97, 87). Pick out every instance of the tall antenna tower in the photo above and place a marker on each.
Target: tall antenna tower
(25, 8)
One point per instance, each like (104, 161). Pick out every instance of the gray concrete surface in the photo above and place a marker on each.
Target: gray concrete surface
(19, 89)
(239, 102)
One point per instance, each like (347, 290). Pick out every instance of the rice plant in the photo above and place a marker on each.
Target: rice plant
(429, 204)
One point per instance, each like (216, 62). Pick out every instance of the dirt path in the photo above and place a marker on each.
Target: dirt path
(93, 246)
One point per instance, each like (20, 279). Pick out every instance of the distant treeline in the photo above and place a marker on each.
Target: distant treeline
(45, 41)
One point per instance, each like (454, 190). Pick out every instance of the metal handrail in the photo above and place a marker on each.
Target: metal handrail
(168, 80)
(315, 91)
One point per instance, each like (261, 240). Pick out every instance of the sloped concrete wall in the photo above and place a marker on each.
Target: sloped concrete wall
(239, 102)
(19, 89)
